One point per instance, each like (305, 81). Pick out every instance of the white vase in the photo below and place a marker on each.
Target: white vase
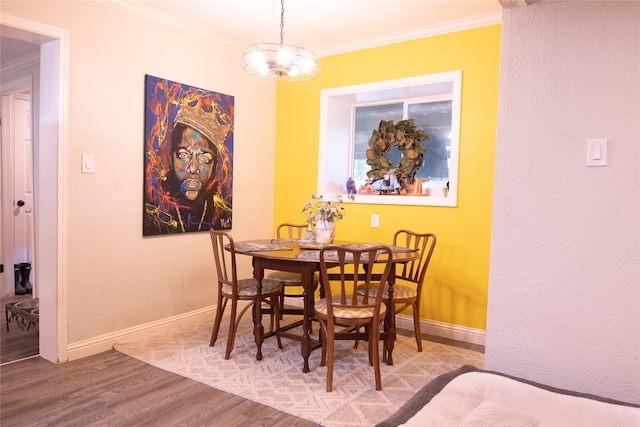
(325, 230)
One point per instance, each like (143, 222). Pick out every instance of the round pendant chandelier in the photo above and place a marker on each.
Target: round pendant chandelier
(280, 61)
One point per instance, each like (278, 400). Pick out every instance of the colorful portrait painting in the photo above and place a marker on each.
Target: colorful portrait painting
(188, 158)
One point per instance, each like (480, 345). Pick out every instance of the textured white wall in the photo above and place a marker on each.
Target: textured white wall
(564, 289)
(118, 279)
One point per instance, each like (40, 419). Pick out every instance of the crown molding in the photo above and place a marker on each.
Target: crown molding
(472, 22)
(20, 63)
(172, 22)
(187, 28)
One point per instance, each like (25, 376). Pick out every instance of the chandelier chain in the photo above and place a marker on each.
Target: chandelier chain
(282, 23)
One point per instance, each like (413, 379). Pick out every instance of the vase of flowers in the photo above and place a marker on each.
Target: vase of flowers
(324, 214)
(325, 231)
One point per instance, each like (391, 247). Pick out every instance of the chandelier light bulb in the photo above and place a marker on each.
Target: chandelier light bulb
(258, 59)
(306, 64)
(294, 71)
(284, 56)
(263, 69)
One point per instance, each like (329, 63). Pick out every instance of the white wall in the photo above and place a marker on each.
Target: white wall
(117, 279)
(564, 289)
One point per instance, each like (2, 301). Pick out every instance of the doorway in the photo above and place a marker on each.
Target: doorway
(50, 177)
(19, 329)
(16, 157)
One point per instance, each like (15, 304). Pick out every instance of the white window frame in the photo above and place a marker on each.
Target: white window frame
(335, 148)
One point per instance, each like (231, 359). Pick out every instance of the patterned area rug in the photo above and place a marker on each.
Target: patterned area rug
(278, 381)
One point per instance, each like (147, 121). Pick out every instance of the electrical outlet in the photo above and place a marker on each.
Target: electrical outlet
(375, 221)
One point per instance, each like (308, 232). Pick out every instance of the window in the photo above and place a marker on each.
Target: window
(349, 115)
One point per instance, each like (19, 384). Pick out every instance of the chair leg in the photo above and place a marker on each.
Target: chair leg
(369, 348)
(416, 325)
(272, 313)
(232, 330)
(330, 340)
(374, 353)
(278, 315)
(222, 304)
(385, 347)
(282, 302)
(323, 339)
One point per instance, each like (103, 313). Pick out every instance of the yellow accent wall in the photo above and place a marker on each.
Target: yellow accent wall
(455, 290)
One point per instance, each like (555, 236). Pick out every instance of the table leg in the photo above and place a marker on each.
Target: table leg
(308, 298)
(390, 323)
(258, 329)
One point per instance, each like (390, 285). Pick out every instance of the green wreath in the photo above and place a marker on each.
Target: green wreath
(403, 136)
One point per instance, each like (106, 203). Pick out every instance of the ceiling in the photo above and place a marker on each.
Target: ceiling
(12, 49)
(325, 26)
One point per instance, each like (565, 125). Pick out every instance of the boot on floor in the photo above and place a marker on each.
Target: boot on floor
(25, 271)
(20, 290)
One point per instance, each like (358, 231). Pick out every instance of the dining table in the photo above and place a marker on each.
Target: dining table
(303, 258)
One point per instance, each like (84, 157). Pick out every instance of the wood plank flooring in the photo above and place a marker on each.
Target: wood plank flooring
(15, 343)
(111, 389)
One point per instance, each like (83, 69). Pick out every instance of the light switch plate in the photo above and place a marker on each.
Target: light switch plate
(596, 152)
(88, 163)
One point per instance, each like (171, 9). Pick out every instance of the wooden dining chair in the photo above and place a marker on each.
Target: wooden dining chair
(347, 309)
(291, 281)
(410, 276)
(231, 290)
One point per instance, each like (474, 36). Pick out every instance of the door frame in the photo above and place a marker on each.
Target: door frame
(50, 181)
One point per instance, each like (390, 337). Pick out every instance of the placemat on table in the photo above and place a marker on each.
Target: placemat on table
(260, 247)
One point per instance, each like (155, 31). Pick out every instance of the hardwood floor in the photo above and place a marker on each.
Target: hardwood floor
(111, 389)
(15, 343)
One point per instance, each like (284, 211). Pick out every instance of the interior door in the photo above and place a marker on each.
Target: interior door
(23, 180)
(18, 160)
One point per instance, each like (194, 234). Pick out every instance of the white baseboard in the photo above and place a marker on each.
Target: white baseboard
(105, 342)
(443, 330)
(429, 327)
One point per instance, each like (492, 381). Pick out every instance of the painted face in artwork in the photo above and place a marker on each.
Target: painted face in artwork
(193, 163)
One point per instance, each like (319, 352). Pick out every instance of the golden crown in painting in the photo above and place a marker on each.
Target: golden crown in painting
(202, 114)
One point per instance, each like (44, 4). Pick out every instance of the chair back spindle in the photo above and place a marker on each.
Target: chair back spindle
(225, 260)
(291, 231)
(415, 271)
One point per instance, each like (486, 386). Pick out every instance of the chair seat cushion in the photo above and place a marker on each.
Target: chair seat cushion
(285, 277)
(249, 287)
(399, 292)
(347, 313)
(288, 278)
